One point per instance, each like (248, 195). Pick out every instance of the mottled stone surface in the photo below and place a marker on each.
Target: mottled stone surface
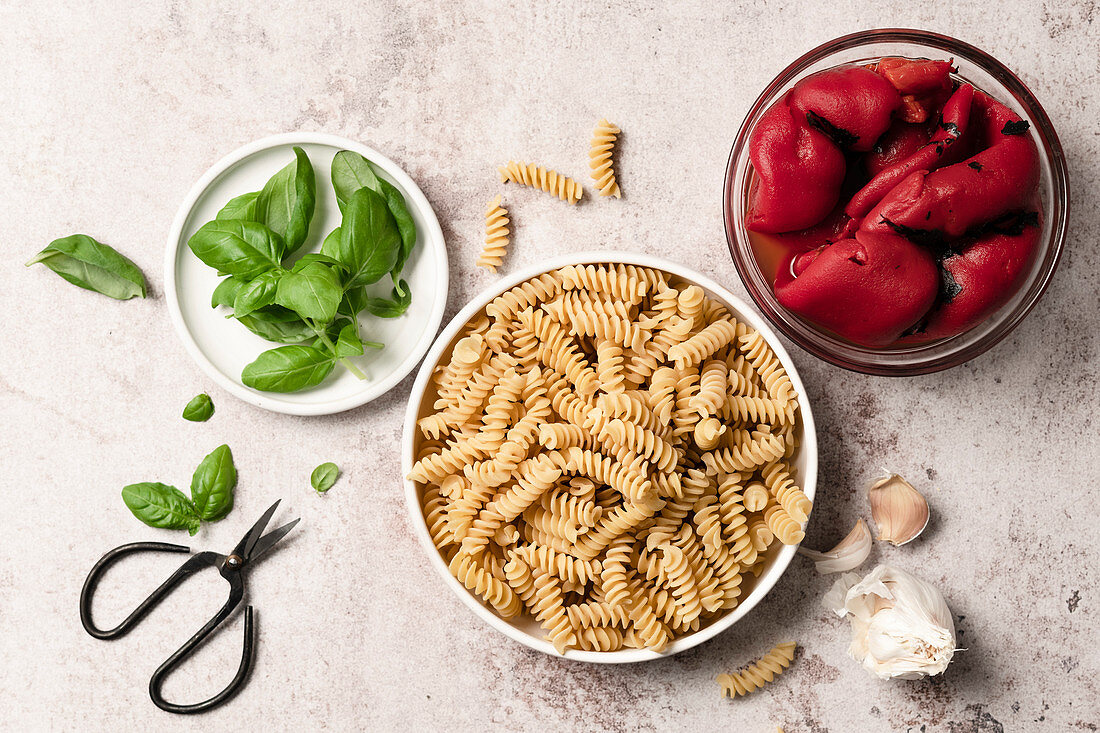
(109, 112)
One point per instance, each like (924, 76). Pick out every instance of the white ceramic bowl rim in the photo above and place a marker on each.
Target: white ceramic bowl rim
(377, 387)
(743, 311)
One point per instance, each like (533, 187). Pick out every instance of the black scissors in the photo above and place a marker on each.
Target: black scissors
(247, 551)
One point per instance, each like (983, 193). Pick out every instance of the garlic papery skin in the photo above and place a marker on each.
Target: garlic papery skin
(901, 625)
(849, 553)
(900, 512)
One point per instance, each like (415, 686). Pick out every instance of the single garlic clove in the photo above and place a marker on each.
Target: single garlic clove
(849, 553)
(900, 512)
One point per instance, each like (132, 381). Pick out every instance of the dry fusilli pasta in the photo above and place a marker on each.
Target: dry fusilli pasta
(599, 158)
(608, 450)
(496, 236)
(759, 673)
(529, 174)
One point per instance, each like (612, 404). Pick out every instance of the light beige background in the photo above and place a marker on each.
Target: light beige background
(109, 112)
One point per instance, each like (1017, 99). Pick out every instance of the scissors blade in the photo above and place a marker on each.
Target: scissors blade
(244, 547)
(270, 539)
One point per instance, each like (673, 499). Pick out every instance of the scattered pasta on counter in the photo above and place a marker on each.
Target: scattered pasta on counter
(759, 673)
(496, 236)
(586, 460)
(530, 174)
(599, 158)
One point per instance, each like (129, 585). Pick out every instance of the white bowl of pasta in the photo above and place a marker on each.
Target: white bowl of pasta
(609, 457)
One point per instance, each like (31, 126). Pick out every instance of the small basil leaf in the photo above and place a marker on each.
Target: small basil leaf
(348, 342)
(199, 409)
(287, 201)
(161, 506)
(324, 476)
(288, 369)
(255, 294)
(226, 291)
(212, 484)
(93, 266)
(369, 240)
(354, 301)
(405, 225)
(390, 307)
(235, 247)
(351, 172)
(275, 323)
(313, 292)
(242, 207)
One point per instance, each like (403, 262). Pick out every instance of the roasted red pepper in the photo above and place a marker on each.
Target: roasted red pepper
(982, 277)
(933, 241)
(852, 105)
(953, 200)
(870, 289)
(902, 140)
(797, 146)
(955, 116)
(798, 169)
(923, 84)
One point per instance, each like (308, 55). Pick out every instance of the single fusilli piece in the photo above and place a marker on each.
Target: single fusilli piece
(529, 174)
(758, 674)
(599, 158)
(496, 236)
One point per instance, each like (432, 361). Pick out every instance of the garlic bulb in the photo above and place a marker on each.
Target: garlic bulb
(900, 511)
(849, 553)
(901, 625)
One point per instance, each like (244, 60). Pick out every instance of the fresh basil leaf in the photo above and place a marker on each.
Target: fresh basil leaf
(287, 201)
(93, 266)
(317, 257)
(332, 241)
(348, 342)
(236, 247)
(161, 506)
(351, 172)
(313, 292)
(199, 409)
(369, 240)
(226, 291)
(275, 323)
(390, 307)
(241, 207)
(405, 225)
(288, 369)
(324, 476)
(256, 294)
(212, 484)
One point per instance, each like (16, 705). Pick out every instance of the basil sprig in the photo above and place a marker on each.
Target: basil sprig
(199, 409)
(311, 305)
(93, 266)
(166, 507)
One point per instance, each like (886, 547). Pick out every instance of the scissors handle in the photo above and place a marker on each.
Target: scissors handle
(234, 686)
(193, 564)
(145, 607)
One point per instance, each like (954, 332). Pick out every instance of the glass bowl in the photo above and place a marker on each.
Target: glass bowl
(985, 73)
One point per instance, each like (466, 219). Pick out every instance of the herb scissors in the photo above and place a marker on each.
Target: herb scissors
(231, 566)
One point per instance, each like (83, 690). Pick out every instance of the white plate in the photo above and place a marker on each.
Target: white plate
(222, 347)
(524, 629)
